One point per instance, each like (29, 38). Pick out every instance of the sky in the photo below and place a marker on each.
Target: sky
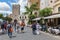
(6, 5)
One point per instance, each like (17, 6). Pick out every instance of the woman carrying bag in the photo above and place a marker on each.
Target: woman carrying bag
(22, 27)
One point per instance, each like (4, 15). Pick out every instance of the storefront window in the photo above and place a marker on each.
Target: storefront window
(59, 9)
(58, 21)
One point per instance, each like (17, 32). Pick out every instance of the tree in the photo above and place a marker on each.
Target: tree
(1, 16)
(45, 12)
(29, 11)
(7, 19)
(31, 17)
(25, 13)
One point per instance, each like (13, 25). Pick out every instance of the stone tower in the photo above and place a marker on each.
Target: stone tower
(16, 11)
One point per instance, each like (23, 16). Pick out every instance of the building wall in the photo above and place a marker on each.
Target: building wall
(34, 1)
(56, 9)
(56, 6)
(43, 4)
(51, 3)
(47, 3)
(16, 11)
(25, 17)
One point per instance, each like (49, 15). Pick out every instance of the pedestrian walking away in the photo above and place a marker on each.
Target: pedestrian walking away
(22, 26)
(10, 30)
(2, 27)
(38, 27)
(34, 28)
(15, 23)
(18, 27)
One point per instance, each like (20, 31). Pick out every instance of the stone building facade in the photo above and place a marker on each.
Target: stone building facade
(16, 11)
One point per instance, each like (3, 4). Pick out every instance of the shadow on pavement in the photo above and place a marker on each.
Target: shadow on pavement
(13, 36)
(2, 34)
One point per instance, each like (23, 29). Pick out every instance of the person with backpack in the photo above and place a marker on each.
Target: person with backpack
(10, 30)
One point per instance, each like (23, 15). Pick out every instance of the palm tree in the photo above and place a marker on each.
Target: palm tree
(29, 11)
(32, 16)
(31, 8)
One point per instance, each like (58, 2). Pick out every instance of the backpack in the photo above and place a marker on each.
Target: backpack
(10, 29)
(22, 24)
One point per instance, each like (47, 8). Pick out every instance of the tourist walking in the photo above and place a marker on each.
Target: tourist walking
(38, 28)
(22, 26)
(2, 27)
(18, 27)
(5, 26)
(10, 30)
(34, 28)
(15, 27)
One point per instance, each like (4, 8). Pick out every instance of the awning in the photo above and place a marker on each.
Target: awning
(52, 16)
(36, 19)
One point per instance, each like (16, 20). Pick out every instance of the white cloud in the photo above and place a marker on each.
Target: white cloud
(14, 3)
(4, 6)
(5, 12)
(20, 2)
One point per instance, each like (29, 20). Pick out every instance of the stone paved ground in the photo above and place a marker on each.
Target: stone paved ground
(29, 36)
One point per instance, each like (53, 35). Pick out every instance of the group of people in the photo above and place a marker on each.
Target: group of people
(36, 28)
(17, 25)
(9, 27)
